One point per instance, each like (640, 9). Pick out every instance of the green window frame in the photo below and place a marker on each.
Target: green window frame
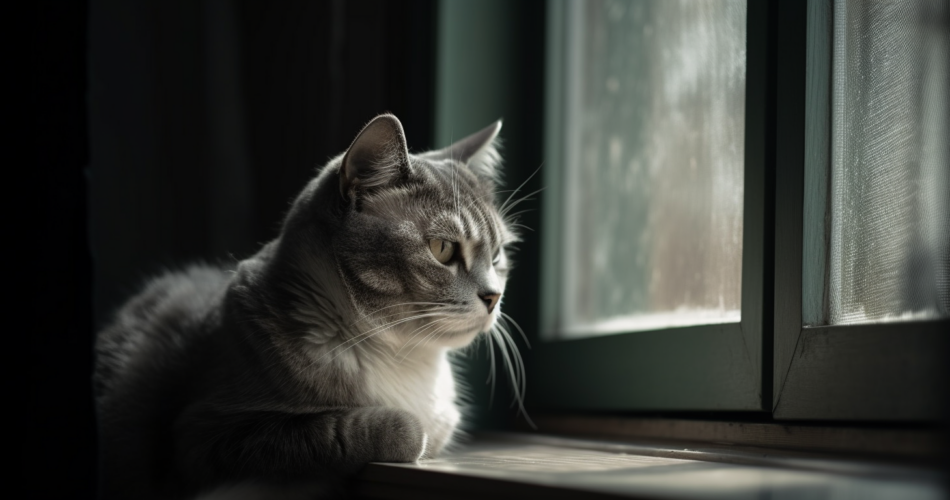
(767, 364)
(705, 367)
(884, 372)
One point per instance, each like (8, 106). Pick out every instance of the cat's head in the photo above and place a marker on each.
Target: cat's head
(422, 248)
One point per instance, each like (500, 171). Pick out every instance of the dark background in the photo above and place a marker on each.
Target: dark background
(207, 118)
(57, 435)
(175, 131)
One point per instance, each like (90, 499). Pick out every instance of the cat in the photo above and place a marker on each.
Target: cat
(325, 350)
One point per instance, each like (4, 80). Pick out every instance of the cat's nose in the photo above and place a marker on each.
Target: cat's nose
(490, 299)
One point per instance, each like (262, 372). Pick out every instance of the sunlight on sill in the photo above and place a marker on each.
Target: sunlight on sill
(496, 465)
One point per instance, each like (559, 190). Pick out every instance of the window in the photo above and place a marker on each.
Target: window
(650, 217)
(766, 232)
(861, 269)
(653, 229)
(882, 254)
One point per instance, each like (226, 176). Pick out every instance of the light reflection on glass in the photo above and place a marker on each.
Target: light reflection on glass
(654, 165)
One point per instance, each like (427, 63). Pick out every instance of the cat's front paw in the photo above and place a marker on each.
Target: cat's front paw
(398, 436)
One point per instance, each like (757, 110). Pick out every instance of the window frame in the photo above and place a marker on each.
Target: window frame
(786, 372)
(704, 367)
(878, 371)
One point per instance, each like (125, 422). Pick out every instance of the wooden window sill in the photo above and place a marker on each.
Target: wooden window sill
(519, 466)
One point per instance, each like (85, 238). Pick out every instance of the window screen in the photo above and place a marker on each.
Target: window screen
(890, 167)
(654, 131)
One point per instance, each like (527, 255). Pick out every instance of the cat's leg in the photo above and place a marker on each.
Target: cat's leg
(215, 445)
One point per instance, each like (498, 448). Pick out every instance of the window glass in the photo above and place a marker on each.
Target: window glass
(653, 181)
(890, 180)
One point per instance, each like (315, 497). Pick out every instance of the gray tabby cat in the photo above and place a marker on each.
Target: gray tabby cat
(325, 350)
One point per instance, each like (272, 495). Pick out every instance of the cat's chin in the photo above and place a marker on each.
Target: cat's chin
(466, 337)
(481, 326)
(461, 339)
(457, 337)
(463, 332)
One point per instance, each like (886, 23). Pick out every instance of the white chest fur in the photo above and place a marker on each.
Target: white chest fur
(423, 386)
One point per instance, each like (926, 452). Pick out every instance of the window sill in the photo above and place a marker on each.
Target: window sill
(521, 466)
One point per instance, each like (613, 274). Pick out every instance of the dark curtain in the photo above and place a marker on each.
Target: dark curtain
(207, 118)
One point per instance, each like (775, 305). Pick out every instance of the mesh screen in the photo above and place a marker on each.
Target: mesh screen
(890, 213)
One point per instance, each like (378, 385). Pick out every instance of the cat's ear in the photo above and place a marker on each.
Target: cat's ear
(378, 156)
(479, 151)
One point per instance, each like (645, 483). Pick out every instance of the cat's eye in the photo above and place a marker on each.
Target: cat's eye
(497, 258)
(442, 250)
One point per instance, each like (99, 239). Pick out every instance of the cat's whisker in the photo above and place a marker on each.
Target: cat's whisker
(511, 321)
(515, 367)
(516, 190)
(371, 333)
(518, 363)
(504, 211)
(491, 372)
(345, 345)
(440, 333)
(500, 191)
(509, 365)
(357, 344)
(418, 331)
(366, 318)
(376, 348)
(419, 311)
(516, 358)
(512, 218)
(407, 319)
(381, 328)
(442, 328)
(366, 315)
(413, 315)
(458, 194)
(373, 315)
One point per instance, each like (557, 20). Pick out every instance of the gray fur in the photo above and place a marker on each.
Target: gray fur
(271, 374)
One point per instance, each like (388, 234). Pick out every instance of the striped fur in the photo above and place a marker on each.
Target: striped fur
(325, 350)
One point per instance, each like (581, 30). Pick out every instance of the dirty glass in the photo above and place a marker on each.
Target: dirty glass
(653, 165)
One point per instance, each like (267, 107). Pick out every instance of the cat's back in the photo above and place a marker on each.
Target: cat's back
(158, 325)
(146, 361)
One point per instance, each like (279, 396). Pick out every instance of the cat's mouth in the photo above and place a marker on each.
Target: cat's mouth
(481, 323)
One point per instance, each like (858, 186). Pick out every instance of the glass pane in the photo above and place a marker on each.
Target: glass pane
(654, 165)
(890, 216)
